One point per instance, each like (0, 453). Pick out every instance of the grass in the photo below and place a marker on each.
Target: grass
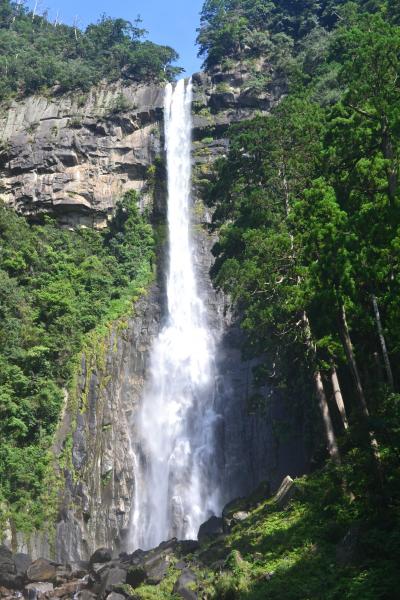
(299, 554)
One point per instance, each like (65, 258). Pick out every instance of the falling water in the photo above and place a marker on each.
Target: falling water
(176, 483)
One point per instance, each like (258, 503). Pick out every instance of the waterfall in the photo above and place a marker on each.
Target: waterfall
(176, 486)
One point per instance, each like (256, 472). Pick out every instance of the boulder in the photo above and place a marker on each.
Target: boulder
(115, 596)
(8, 571)
(156, 568)
(67, 590)
(239, 516)
(188, 546)
(135, 558)
(36, 591)
(136, 576)
(286, 492)
(41, 570)
(233, 506)
(112, 578)
(101, 555)
(221, 100)
(210, 529)
(233, 513)
(186, 585)
(63, 574)
(78, 569)
(259, 495)
(237, 510)
(22, 562)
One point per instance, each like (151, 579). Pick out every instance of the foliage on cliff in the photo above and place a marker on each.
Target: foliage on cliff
(321, 545)
(37, 54)
(292, 35)
(307, 205)
(55, 287)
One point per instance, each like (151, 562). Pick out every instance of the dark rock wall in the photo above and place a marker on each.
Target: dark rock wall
(95, 437)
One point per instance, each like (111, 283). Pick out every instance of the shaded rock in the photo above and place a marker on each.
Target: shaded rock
(115, 596)
(237, 510)
(168, 545)
(286, 492)
(259, 495)
(37, 590)
(156, 569)
(22, 562)
(98, 568)
(188, 547)
(41, 570)
(8, 572)
(211, 528)
(79, 569)
(101, 555)
(136, 576)
(232, 508)
(112, 578)
(135, 558)
(221, 100)
(186, 585)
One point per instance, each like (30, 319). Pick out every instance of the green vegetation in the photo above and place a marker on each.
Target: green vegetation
(307, 206)
(56, 286)
(321, 545)
(37, 54)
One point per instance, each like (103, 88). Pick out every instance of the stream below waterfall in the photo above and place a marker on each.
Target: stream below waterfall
(176, 477)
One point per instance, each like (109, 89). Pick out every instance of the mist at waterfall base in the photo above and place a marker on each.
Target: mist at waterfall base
(176, 478)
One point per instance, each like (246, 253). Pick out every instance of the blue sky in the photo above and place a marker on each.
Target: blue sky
(170, 22)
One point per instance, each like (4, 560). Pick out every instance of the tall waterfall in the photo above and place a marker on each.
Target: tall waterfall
(176, 486)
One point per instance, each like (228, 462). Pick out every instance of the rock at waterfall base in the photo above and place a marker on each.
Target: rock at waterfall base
(184, 587)
(8, 572)
(210, 529)
(37, 590)
(41, 570)
(101, 555)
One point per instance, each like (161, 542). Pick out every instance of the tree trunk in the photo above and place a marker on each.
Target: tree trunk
(337, 392)
(333, 448)
(362, 403)
(388, 153)
(386, 360)
(348, 348)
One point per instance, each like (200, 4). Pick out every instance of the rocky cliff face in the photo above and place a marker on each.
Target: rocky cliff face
(94, 438)
(73, 157)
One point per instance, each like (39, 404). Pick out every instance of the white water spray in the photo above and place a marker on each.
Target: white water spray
(176, 482)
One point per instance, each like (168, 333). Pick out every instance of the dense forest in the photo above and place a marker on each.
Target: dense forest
(39, 55)
(56, 288)
(307, 207)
